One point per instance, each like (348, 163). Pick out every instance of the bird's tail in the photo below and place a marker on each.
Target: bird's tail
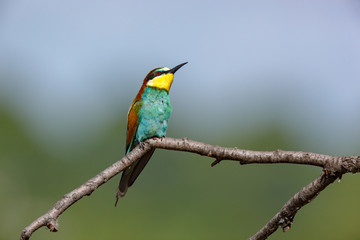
(131, 173)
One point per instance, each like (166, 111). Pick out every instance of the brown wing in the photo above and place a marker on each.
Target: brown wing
(132, 123)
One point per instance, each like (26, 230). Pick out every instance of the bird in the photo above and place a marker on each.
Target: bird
(147, 118)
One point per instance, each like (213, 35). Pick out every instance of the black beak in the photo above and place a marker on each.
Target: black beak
(174, 69)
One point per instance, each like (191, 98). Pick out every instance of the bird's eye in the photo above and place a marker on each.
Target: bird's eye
(158, 73)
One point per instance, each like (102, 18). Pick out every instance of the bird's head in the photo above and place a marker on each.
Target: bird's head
(161, 78)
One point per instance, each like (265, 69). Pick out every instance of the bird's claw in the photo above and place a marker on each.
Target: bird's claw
(142, 145)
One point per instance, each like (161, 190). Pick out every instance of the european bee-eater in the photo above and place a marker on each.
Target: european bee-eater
(147, 118)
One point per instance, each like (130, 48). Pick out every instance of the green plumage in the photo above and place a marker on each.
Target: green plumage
(154, 114)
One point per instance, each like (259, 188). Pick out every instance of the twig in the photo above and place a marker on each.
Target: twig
(335, 167)
(285, 217)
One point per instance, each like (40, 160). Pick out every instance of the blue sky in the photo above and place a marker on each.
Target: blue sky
(67, 68)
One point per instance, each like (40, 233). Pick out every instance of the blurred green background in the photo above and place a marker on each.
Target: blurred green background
(261, 75)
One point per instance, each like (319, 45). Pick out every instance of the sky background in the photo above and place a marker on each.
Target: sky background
(261, 75)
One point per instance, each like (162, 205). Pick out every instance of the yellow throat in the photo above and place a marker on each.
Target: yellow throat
(162, 82)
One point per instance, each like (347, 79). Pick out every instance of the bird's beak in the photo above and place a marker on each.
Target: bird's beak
(174, 69)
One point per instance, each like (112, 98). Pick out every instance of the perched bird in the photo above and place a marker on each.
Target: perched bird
(147, 118)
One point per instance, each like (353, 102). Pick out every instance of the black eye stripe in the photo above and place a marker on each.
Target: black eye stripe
(155, 74)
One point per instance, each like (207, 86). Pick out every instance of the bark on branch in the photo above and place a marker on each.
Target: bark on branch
(334, 167)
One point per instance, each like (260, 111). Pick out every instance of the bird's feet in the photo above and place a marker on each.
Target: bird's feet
(142, 145)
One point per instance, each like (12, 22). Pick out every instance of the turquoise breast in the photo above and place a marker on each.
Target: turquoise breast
(154, 114)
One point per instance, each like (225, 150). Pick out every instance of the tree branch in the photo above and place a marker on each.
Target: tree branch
(285, 217)
(334, 167)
